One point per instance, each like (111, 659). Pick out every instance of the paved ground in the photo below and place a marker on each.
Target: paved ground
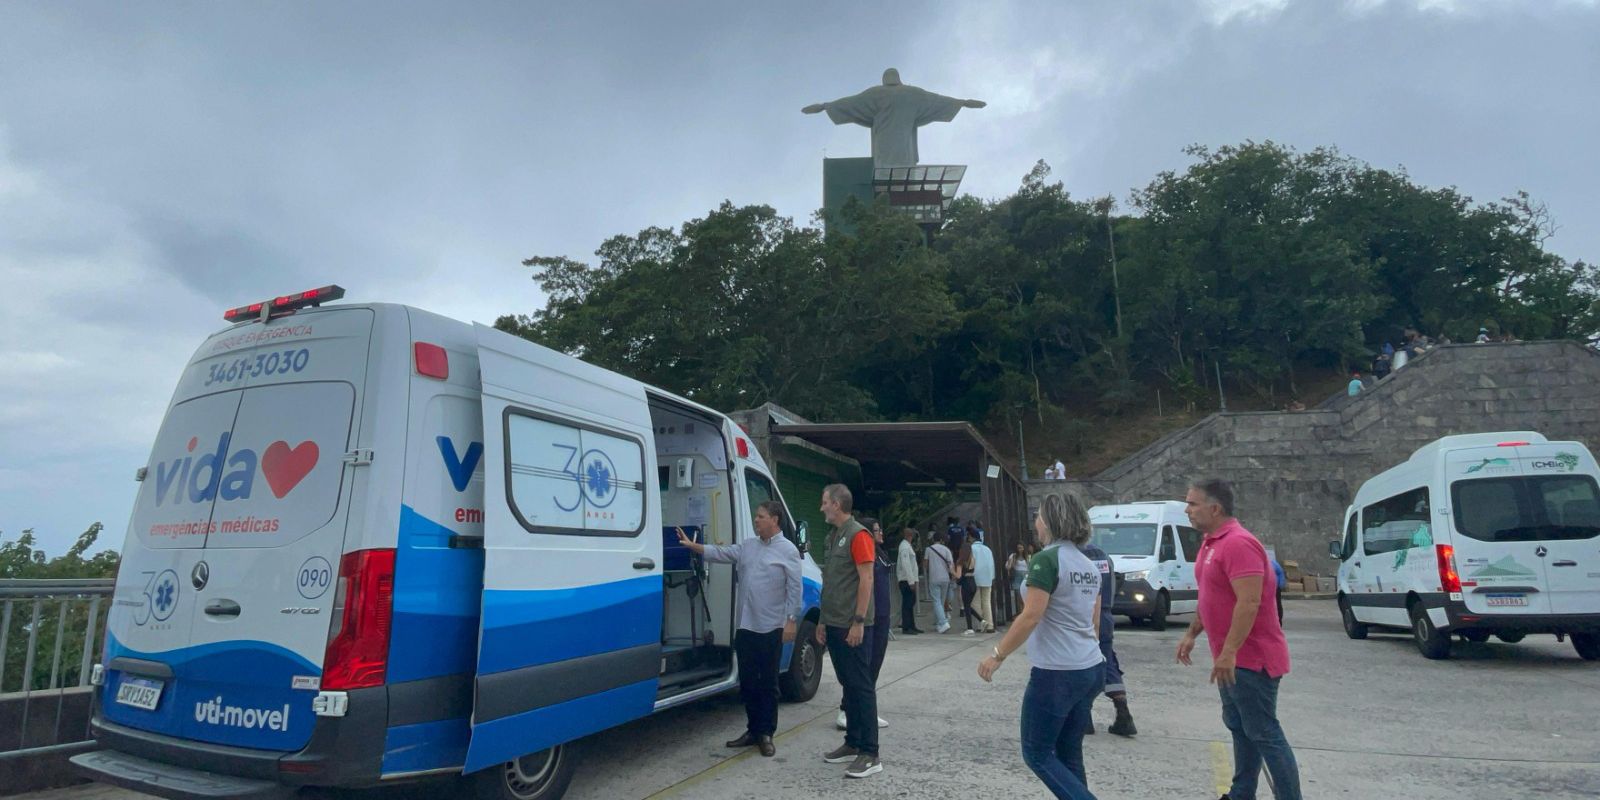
(1369, 719)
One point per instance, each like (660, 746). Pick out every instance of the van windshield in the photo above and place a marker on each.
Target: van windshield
(1126, 540)
(1528, 508)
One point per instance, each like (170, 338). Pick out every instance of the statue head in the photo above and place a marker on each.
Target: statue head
(891, 77)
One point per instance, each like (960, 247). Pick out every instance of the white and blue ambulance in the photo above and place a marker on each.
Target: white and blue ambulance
(374, 544)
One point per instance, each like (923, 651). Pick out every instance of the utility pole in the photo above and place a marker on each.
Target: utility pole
(1116, 286)
(1221, 398)
(1022, 447)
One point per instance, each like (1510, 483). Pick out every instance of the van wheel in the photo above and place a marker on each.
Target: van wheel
(539, 776)
(1158, 616)
(799, 682)
(1510, 637)
(1430, 640)
(1476, 637)
(1587, 645)
(1353, 627)
(1136, 621)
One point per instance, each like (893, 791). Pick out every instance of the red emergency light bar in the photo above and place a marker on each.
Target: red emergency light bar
(1512, 444)
(286, 303)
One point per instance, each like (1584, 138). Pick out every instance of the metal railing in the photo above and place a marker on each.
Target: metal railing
(54, 622)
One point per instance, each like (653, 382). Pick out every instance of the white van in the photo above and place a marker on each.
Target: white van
(1152, 548)
(374, 544)
(1486, 533)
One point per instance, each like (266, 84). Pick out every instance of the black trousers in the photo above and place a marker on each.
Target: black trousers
(875, 640)
(759, 655)
(853, 667)
(969, 590)
(908, 606)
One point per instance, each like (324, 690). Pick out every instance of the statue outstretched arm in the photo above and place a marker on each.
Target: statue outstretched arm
(973, 103)
(814, 108)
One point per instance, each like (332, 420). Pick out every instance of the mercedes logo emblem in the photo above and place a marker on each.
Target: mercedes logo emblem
(200, 575)
(1540, 551)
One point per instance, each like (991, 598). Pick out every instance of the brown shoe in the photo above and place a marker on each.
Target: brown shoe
(764, 744)
(743, 741)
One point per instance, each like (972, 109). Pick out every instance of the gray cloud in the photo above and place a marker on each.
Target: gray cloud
(161, 163)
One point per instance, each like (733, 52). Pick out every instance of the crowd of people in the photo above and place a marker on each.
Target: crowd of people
(1065, 585)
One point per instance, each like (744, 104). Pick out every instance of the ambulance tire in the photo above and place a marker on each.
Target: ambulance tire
(799, 682)
(1431, 642)
(538, 776)
(1587, 645)
(1158, 615)
(1353, 627)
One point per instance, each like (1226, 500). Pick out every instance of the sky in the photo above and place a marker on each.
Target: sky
(160, 163)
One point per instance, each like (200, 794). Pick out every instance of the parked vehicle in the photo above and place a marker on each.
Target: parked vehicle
(1152, 548)
(1477, 535)
(374, 544)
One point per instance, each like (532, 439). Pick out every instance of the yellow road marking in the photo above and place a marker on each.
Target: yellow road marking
(1221, 767)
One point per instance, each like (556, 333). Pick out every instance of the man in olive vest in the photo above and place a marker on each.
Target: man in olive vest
(846, 611)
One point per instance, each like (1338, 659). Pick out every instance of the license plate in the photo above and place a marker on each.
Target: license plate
(1508, 599)
(139, 693)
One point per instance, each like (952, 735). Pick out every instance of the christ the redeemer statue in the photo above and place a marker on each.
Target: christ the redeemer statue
(893, 111)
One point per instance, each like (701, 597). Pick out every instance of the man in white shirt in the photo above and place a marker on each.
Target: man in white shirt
(1061, 470)
(939, 563)
(983, 573)
(905, 571)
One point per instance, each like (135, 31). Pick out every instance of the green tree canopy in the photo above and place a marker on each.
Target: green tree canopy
(1256, 259)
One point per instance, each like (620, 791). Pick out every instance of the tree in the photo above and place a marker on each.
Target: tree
(19, 559)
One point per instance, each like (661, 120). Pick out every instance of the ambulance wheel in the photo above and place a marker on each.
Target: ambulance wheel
(1430, 641)
(1353, 627)
(1158, 615)
(1476, 637)
(1587, 645)
(1511, 637)
(799, 682)
(538, 776)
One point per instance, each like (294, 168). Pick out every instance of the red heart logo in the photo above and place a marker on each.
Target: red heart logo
(285, 467)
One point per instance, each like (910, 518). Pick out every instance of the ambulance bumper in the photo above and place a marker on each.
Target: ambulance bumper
(342, 751)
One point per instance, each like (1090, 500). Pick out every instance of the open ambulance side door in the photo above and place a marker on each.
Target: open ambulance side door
(569, 641)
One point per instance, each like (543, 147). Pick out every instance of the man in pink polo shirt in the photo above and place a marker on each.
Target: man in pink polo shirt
(1248, 652)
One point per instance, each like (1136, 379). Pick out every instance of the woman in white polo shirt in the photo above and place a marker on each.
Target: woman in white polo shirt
(1060, 623)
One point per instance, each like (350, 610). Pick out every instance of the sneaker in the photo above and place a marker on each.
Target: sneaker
(942, 628)
(863, 766)
(968, 632)
(840, 721)
(883, 723)
(988, 629)
(841, 755)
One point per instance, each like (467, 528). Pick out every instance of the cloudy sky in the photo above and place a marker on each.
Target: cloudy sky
(161, 162)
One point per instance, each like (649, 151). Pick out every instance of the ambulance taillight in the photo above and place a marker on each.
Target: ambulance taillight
(363, 609)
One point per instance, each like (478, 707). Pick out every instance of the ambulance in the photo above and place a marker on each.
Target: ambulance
(1152, 548)
(1477, 535)
(373, 544)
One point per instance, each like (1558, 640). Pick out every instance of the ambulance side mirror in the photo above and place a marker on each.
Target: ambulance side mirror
(801, 535)
(1336, 550)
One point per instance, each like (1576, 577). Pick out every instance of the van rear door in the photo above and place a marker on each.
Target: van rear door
(1565, 501)
(570, 634)
(1500, 541)
(255, 597)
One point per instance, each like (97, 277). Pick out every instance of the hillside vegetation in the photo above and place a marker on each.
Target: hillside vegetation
(1277, 269)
